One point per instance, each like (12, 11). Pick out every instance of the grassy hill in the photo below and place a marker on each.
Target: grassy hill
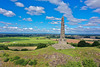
(50, 57)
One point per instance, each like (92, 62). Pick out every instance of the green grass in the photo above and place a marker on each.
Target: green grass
(24, 40)
(79, 53)
(82, 53)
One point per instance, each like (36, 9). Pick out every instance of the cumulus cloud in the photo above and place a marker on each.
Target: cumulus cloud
(4, 23)
(64, 8)
(91, 24)
(93, 21)
(54, 22)
(93, 3)
(7, 13)
(84, 8)
(35, 10)
(27, 19)
(19, 4)
(97, 10)
(82, 30)
(52, 18)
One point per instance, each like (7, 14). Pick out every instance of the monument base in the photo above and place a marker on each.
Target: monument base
(62, 46)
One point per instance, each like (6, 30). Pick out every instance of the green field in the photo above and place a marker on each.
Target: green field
(48, 56)
(24, 40)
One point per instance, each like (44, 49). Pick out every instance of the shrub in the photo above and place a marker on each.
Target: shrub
(16, 58)
(21, 62)
(25, 62)
(47, 64)
(41, 46)
(6, 59)
(82, 43)
(34, 62)
(95, 43)
(24, 49)
(98, 46)
(5, 54)
(3, 47)
(74, 44)
(88, 63)
(15, 50)
(31, 63)
(72, 64)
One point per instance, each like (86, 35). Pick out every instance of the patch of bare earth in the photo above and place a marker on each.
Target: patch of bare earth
(19, 48)
(73, 41)
(58, 59)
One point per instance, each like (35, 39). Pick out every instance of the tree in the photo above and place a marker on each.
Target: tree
(82, 43)
(95, 43)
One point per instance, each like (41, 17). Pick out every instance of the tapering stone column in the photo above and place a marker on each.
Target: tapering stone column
(62, 41)
(62, 33)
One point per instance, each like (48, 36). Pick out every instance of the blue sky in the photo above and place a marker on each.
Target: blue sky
(44, 16)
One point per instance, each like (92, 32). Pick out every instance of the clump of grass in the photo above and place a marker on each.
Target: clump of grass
(88, 63)
(5, 54)
(31, 63)
(6, 59)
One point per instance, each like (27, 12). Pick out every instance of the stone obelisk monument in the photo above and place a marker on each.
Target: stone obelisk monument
(62, 41)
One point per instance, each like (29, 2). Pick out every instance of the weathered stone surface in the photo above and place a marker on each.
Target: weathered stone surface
(62, 41)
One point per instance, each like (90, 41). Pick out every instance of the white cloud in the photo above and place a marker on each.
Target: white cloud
(19, 16)
(31, 28)
(64, 8)
(19, 4)
(27, 19)
(93, 3)
(84, 8)
(97, 10)
(13, 0)
(35, 10)
(93, 21)
(5, 23)
(52, 18)
(91, 24)
(6, 13)
(54, 22)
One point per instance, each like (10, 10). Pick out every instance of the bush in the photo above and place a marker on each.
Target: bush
(95, 43)
(21, 62)
(31, 63)
(6, 59)
(16, 58)
(98, 46)
(89, 63)
(5, 54)
(82, 43)
(47, 64)
(25, 62)
(24, 49)
(74, 44)
(35, 62)
(72, 64)
(41, 46)
(3, 47)
(15, 50)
